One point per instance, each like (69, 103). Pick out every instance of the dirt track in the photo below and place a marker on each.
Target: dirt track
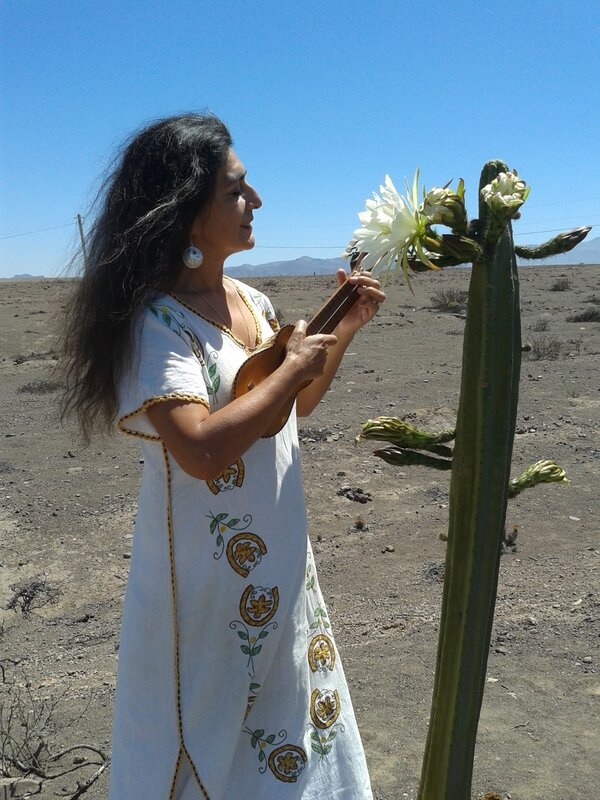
(66, 518)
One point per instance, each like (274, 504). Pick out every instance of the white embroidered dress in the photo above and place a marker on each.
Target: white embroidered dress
(229, 684)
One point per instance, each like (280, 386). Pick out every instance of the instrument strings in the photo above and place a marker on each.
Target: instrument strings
(348, 299)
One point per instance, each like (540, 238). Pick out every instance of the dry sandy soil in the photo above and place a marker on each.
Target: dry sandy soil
(67, 515)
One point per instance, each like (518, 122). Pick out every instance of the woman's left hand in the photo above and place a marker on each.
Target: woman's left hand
(367, 305)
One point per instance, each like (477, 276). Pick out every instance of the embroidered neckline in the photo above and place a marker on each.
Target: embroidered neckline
(224, 328)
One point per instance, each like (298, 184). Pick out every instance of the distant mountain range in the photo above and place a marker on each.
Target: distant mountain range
(299, 266)
(588, 252)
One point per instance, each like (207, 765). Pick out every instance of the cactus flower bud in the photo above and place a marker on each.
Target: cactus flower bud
(541, 472)
(443, 206)
(403, 434)
(505, 194)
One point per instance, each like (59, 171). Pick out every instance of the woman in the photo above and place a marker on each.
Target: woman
(229, 683)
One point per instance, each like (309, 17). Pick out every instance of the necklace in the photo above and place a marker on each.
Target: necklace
(198, 293)
(249, 340)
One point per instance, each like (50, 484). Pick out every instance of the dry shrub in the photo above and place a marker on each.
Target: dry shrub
(560, 285)
(451, 300)
(40, 387)
(577, 344)
(540, 324)
(545, 348)
(591, 314)
(32, 594)
(28, 726)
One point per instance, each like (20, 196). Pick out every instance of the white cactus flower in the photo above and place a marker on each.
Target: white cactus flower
(391, 226)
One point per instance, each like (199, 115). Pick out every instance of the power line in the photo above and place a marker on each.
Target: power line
(39, 230)
(534, 233)
(265, 246)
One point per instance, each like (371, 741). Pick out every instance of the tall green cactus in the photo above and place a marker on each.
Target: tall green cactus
(479, 490)
(478, 496)
(485, 429)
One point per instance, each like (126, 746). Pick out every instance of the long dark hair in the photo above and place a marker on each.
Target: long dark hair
(147, 204)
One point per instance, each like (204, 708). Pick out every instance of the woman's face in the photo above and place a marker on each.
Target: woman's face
(225, 226)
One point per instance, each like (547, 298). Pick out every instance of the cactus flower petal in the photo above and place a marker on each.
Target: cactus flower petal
(391, 226)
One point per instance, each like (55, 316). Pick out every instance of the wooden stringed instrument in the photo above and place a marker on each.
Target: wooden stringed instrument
(266, 359)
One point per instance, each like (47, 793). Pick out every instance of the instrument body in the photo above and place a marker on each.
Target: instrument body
(264, 361)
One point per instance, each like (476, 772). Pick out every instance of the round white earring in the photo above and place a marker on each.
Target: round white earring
(192, 257)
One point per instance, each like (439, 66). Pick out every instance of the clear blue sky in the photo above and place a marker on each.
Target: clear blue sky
(322, 99)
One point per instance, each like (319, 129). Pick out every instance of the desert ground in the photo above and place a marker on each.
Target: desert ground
(67, 512)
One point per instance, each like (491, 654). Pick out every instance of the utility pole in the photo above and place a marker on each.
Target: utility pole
(82, 237)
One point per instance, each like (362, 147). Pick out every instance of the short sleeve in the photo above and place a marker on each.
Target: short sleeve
(270, 314)
(168, 364)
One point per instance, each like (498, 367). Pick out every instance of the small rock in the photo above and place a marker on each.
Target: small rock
(502, 650)
(389, 549)
(126, 555)
(357, 494)
(587, 659)
(575, 519)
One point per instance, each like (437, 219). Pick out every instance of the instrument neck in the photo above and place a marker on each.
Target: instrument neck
(329, 315)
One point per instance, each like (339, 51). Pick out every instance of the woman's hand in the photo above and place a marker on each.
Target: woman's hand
(308, 354)
(367, 305)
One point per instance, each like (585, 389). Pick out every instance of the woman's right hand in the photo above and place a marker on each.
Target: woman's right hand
(308, 354)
